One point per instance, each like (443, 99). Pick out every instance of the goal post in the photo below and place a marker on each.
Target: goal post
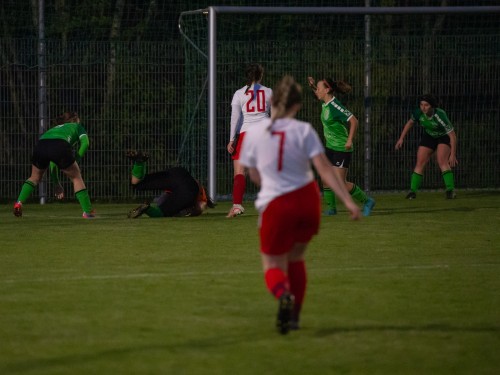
(433, 74)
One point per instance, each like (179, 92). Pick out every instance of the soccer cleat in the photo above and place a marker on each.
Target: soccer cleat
(236, 210)
(18, 209)
(285, 308)
(137, 156)
(295, 319)
(411, 195)
(89, 215)
(450, 194)
(368, 206)
(330, 212)
(294, 325)
(138, 211)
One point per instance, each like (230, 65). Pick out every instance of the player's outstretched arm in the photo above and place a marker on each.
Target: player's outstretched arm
(405, 131)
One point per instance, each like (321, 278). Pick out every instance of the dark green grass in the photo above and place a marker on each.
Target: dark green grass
(413, 289)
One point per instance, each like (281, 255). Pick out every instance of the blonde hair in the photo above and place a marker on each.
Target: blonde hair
(286, 94)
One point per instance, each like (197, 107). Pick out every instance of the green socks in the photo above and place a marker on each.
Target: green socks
(448, 177)
(416, 181)
(449, 180)
(139, 169)
(26, 191)
(84, 199)
(329, 197)
(358, 195)
(154, 211)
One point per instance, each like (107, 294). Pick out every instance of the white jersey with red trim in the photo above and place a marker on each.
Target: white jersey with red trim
(282, 154)
(250, 105)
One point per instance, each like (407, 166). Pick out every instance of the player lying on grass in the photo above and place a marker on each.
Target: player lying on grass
(181, 194)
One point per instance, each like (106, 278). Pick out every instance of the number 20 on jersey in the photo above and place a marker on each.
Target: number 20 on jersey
(256, 103)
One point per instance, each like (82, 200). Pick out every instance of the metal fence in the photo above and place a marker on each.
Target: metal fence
(152, 95)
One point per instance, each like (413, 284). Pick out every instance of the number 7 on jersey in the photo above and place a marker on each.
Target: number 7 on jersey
(280, 150)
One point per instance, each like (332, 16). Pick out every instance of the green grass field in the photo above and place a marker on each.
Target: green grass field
(413, 289)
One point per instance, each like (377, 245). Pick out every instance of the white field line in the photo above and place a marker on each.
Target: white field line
(195, 273)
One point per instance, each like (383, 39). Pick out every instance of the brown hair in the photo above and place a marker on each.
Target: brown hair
(66, 117)
(286, 94)
(254, 72)
(337, 87)
(429, 98)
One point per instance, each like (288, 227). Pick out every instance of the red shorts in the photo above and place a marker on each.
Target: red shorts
(290, 218)
(236, 153)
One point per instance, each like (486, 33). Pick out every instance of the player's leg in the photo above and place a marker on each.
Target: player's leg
(286, 226)
(328, 194)
(277, 281)
(297, 276)
(81, 193)
(307, 226)
(239, 181)
(443, 155)
(149, 209)
(139, 167)
(40, 161)
(330, 200)
(360, 196)
(423, 156)
(276, 223)
(27, 189)
(239, 186)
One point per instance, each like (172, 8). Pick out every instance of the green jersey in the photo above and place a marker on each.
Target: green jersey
(437, 125)
(334, 117)
(71, 132)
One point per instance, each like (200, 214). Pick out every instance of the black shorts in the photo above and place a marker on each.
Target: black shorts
(56, 150)
(339, 159)
(432, 143)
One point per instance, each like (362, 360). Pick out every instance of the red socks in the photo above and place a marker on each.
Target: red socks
(298, 281)
(277, 282)
(239, 185)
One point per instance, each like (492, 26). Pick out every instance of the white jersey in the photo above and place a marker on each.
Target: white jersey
(282, 155)
(250, 105)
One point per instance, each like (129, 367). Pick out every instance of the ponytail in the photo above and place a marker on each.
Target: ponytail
(337, 87)
(286, 94)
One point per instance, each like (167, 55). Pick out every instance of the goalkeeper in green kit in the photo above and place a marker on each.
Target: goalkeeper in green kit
(439, 137)
(54, 149)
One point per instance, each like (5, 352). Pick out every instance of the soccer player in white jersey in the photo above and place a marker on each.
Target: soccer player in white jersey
(278, 154)
(250, 105)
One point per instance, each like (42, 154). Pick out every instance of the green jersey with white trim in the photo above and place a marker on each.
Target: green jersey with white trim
(335, 117)
(437, 125)
(70, 132)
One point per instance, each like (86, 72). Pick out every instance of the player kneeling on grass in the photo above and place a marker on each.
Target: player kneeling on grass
(278, 154)
(182, 194)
